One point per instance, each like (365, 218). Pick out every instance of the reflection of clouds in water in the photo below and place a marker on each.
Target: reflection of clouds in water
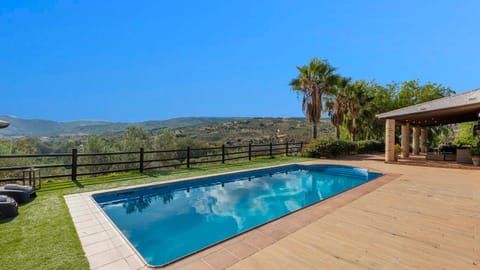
(185, 218)
(242, 199)
(261, 197)
(292, 205)
(222, 201)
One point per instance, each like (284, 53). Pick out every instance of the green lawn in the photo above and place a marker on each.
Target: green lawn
(42, 236)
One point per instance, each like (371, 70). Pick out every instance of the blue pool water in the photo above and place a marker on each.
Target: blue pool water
(168, 221)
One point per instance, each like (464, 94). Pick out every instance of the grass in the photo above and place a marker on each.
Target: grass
(42, 236)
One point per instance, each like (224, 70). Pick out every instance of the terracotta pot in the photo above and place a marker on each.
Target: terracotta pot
(476, 160)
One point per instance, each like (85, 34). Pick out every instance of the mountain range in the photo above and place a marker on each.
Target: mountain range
(46, 128)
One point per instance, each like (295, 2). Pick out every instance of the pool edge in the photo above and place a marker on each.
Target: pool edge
(100, 214)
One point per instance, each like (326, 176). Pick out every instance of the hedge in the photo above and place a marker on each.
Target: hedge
(329, 147)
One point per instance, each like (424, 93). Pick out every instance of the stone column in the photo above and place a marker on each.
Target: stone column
(423, 140)
(405, 140)
(390, 140)
(415, 143)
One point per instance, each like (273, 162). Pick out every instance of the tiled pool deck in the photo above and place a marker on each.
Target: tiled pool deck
(404, 208)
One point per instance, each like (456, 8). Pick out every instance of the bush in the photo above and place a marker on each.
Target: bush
(475, 151)
(329, 147)
(370, 146)
(397, 150)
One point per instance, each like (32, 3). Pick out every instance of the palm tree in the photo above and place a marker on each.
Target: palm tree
(335, 104)
(357, 100)
(313, 81)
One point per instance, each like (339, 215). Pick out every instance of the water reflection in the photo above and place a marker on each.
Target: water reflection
(136, 205)
(143, 202)
(283, 192)
(164, 223)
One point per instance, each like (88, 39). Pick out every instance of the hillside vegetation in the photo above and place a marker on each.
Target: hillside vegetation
(45, 128)
(236, 132)
(254, 130)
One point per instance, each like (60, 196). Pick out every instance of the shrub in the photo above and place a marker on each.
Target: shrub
(397, 150)
(329, 147)
(370, 146)
(475, 151)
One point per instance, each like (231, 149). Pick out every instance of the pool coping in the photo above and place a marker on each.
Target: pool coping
(107, 248)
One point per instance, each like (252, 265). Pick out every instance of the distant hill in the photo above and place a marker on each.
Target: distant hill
(255, 130)
(37, 127)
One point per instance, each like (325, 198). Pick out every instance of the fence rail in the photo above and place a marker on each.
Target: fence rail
(75, 164)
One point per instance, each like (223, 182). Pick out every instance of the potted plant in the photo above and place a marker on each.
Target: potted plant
(397, 151)
(475, 154)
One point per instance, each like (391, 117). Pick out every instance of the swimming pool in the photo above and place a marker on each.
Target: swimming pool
(166, 222)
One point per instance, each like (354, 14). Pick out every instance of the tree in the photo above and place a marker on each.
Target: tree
(313, 81)
(383, 100)
(411, 93)
(135, 138)
(335, 104)
(132, 140)
(464, 136)
(185, 142)
(357, 100)
(165, 141)
(97, 144)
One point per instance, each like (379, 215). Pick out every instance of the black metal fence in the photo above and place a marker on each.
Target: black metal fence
(73, 165)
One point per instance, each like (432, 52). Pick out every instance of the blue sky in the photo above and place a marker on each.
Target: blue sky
(144, 60)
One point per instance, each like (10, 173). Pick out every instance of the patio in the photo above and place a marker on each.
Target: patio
(427, 218)
(412, 218)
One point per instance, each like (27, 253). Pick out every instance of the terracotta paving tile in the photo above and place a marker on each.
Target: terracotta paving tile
(350, 195)
(336, 201)
(220, 259)
(304, 217)
(242, 250)
(235, 240)
(279, 233)
(260, 240)
(293, 225)
(192, 258)
(288, 224)
(320, 212)
(197, 265)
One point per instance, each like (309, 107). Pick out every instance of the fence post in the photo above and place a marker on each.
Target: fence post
(142, 152)
(74, 164)
(188, 157)
(271, 149)
(250, 151)
(223, 153)
(286, 149)
(301, 147)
